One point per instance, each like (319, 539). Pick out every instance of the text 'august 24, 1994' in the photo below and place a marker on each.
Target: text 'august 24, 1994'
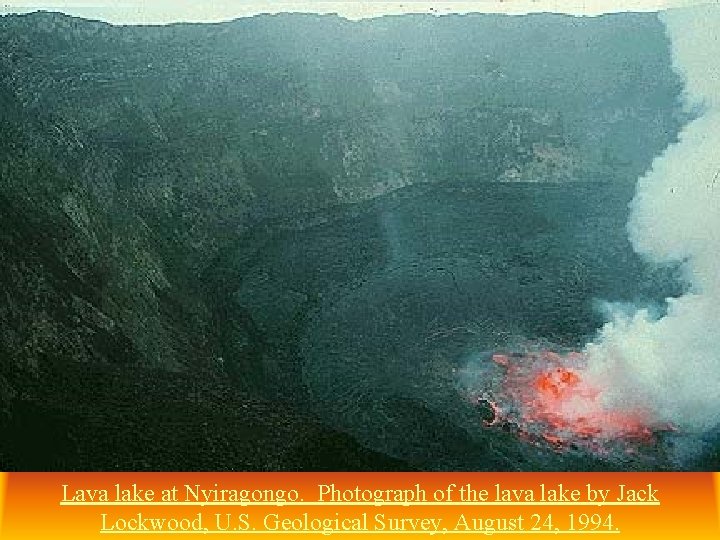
(327, 508)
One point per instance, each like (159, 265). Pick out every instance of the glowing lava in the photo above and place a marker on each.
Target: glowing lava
(550, 397)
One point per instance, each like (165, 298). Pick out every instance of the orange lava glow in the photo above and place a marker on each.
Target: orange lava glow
(551, 400)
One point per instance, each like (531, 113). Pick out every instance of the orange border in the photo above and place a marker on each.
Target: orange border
(716, 476)
(33, 504)
(3, 487)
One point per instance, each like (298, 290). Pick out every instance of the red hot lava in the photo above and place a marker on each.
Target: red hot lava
(550, 397)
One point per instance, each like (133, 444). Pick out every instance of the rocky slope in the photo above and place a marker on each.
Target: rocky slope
(152, 180)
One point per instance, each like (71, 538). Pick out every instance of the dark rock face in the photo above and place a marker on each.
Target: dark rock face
(251, 245)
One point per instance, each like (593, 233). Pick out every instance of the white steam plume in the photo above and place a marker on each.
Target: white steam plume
(671, 365)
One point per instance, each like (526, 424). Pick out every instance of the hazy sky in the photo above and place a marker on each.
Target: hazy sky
(165, 11)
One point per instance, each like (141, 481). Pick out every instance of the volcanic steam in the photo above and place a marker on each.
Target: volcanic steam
(644, 374)
(671, 365)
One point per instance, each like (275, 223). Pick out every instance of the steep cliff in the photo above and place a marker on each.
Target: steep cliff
(154, 182)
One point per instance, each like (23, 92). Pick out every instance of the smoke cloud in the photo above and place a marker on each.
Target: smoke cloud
(671, 364)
